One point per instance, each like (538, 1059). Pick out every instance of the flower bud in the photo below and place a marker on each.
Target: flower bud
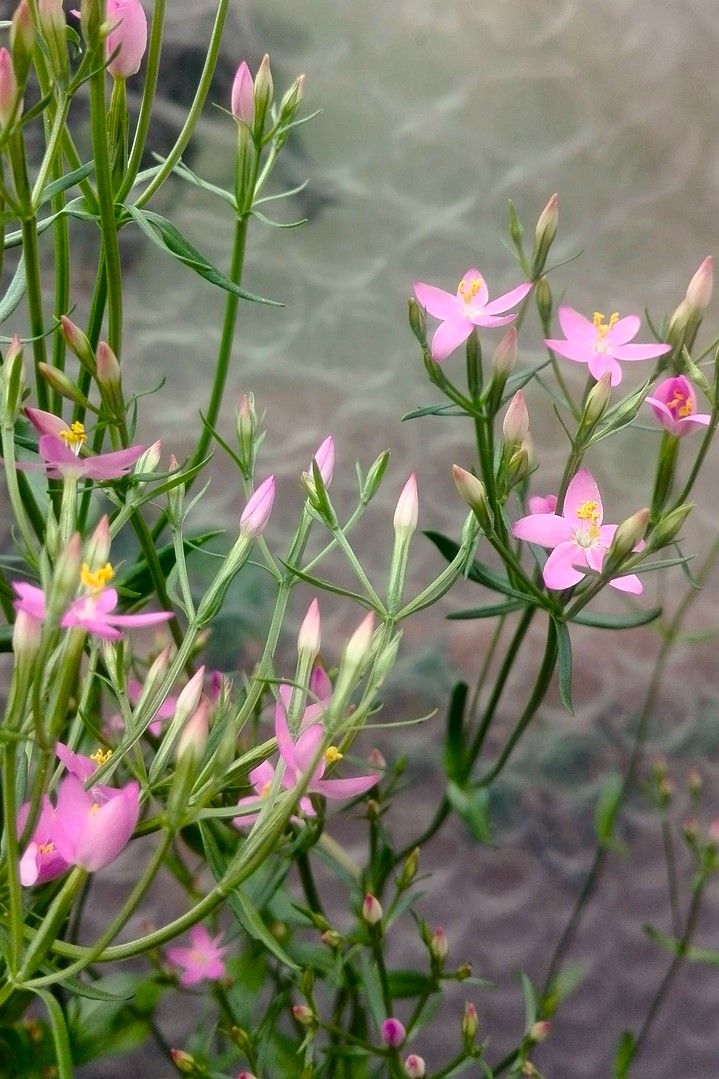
(628, 536)
(97, 548)
(66, 578)
(303, 1014)
(597, 400)
(359, 646)
(407, 510)
(128, 33)
(470, 1024)
(26, 634)
(149, 460)
(184, 1062)
(695, 783)
(668, 526)
(712, 831)
(409, 870)
(418, 321)
(505, 354)
(544, 234)
(193, 739)
(699, 290)
(51, 19)
(374, 476)
(246, 427)
(263, 96)
(78, 342)
(12, 383)
(309, 639)
(393, 1032)
(325, 459)
(371, 909)
(539, 1031)
(331, 938)
(438, 946)
(22, 41)
(377, 762)
(290, 104)
(543, 296)
(108, 368)
(9, 107)
(415, 1067)
(473, 492)
(243, 95)
(189, 698)
(516, 421)
(63, 385)
(246, 1075)
(258, 509)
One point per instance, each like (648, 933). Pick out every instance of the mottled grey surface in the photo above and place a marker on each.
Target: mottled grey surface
(435, 114)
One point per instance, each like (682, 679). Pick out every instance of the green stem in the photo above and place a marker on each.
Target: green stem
(12, 854)
(106, 201)
(152, 67)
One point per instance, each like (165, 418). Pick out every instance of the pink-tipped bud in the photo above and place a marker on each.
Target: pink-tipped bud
(712, 831)
(108, 368)
(26, 634)
(407, 510)
(438, 945)
(66, 578)
(78, 342)
(51, 19)
(22, 41)
(243, 95)
(257, 511)
(415, 1067)
(473, 492)
(539, 1031)
(544, 233)
(9, 109)
(195, 733)
(393, 1032)
(699, 290)
(695, 783)
(372, 909)
(184, 1062)
(470, 1024)
(246, 1075)
(303, 1014)
(376, 760)
(264, 90)
(189, 698)
(505, 354)
(128, 34)
(325, 459)
(289, 106)
(359, 645)
(515, 426)
(150, 459)
(97, 548)
(309, 639)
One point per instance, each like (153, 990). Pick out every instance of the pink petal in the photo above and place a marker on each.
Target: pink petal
(623, 330)
(582, 488)
(629, 583)
(75, 763)
(439, 303)
(32, 599)
(46, 423)
(509, 299)
(480, 299)
(109, 466)
(686, 424)
(345, 788)
(449, 336)
(600, 363)
(576, 327)
(578, 351)
(546, 529)
(285, 744)
(305, 750)
(639, 352)
(492, 321)
(559, 571)
(107, 831)
(260, 776)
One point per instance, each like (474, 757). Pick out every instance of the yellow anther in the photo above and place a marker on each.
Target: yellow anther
(265, 790)
(96, 580)
(680, 404)
(94, 808)
(588, 510)
(101, 756)
(603, 327)
(332, 755)
(469, 287)
(46, 848)
(74, 436)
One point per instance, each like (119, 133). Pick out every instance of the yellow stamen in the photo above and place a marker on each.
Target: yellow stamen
(469, 287)
(332, 755)
(101, 756)
(265, 790)
(46, 848)
(680, 404)
(75, 436)
(603, 327)
(589, 511)
(94, 808)
(96, 580)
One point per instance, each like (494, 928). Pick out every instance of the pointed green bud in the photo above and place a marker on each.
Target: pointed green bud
(473, 492)
(544, 234)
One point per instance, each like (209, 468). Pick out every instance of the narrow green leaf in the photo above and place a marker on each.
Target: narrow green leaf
(472, 805)
(169, 238)
(433, 410)
(454, 744)
(495, 610)
(607, 807)
(564, 665)
(93, 992)
(530, 1000)
(478, 572)
(327, 586)
(279, 224)
(404, 984)
(61, 1041)
(15, 291)
(67, 181)
(617, 621)
(624, 1055)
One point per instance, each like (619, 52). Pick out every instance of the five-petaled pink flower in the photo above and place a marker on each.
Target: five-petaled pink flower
(90, 828)
(674, 404)
(601, 342)
(470, 307)
(202, 961)
(577, 536)
(61, 462)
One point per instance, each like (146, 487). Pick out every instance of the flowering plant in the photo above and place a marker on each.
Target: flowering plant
(127, 763)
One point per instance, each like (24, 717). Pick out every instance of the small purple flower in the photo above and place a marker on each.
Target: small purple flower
(577, 537)
(674, 404)
(470, 307)
(601, 343)
(202, 961)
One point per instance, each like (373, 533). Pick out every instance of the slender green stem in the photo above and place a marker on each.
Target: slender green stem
(106, 201)
(152, 67)
(12, 854)
(28, 228)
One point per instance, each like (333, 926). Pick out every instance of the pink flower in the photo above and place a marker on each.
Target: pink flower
(62, 463)
(90, 830)
(470, 307)
(601, 343)
(243, 95)
(83, 767)
(129, 34)
(41, 861)
(202, 961)
(92, 612)
(674, 404)
(578, 537)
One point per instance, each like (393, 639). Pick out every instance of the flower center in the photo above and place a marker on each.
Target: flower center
(588, 511)
(468, 288)
(332, 755)
(603, 327)
(46, 848)
(96, 580)
(74, 437)
(101, 756)
(680, 404)
(266, 789)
